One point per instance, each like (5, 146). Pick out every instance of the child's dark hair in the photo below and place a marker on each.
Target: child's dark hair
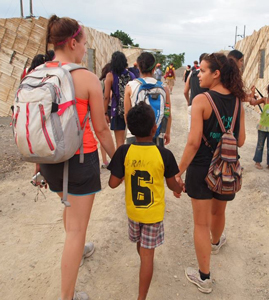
(118, 62)
(50, 55)
(39, 59)
(141, 119)
(106, 69)
(146, 62)
(59, 30)
(230, 75)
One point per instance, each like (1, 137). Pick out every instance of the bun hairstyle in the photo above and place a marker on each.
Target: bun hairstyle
(230, 75)
(146, 62)
(60, 30)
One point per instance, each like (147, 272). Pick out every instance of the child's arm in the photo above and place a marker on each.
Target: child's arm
(176, 187)
(114, 181)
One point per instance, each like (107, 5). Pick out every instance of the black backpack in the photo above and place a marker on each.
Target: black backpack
(123, 79)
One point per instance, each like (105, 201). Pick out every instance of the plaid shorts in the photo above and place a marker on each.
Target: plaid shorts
(149, 235)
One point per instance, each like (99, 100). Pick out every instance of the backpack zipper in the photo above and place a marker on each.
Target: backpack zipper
(27, 129)
(43, 122)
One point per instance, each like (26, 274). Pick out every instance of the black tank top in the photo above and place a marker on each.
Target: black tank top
(211, 129)
(187, 74)
(195, 86)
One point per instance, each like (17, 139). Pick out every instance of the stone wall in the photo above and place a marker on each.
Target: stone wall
(22, 39)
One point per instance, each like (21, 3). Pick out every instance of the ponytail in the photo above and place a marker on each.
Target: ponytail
(60, 30)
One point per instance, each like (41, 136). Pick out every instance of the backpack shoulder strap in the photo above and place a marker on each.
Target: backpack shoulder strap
(72, 67)
(214, 107)
(235, 114)
(141, 80)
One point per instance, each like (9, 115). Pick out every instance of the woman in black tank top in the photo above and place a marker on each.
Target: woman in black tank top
(222, 77)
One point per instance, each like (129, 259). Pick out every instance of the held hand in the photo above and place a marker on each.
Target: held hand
(166, 138)
(181, 183)
(177, 195)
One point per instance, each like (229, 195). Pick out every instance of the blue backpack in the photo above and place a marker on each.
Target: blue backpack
(155, 96)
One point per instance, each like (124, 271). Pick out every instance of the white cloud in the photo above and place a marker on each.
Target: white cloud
(175, 26)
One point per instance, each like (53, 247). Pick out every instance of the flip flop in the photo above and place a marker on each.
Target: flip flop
(258, 166)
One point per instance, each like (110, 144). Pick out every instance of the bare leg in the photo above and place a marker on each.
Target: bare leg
(146, 271)
(217, 219)
(202, 242)
(138, 247)
(76, 220)
(120, 137)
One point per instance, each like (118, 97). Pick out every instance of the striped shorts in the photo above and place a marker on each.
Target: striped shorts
(149, 235)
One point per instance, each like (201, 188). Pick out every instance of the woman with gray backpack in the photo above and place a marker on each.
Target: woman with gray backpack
(69, 41)
(218, 110)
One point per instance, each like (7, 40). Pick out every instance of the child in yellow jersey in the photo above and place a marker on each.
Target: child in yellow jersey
(143, 165)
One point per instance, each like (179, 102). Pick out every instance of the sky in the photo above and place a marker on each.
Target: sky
(173, 26)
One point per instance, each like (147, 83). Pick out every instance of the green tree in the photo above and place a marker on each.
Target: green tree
(176, 59)
(124, 37)
(165, 60)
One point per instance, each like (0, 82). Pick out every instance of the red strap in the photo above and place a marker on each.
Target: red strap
(62, 107)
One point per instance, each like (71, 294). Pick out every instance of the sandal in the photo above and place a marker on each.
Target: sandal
(258, 166)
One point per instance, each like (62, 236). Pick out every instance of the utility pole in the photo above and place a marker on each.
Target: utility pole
(235, 36)
(31, 9)
(21, 9)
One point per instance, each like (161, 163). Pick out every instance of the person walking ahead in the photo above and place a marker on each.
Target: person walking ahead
(263, 131)
(170, 77)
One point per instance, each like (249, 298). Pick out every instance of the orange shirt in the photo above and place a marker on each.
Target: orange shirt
(89, 142)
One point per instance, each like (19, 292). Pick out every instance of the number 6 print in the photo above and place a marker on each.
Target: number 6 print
(142, 196)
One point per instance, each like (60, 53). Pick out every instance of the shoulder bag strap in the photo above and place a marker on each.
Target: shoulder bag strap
(235, 115)
(214, 107)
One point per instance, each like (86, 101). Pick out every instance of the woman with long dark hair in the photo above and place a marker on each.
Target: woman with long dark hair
(222, 77)
(116, 81)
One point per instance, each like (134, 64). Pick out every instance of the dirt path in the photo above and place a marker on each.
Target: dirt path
(32, 234)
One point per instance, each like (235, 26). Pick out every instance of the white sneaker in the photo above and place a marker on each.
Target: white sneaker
(215, 248)
(204, 286)
(80, 296)
(88, 251)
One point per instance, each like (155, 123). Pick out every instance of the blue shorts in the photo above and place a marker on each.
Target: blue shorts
(117, 123)
(83, 178)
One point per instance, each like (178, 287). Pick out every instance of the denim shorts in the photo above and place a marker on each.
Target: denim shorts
(150, 236)
(117, 123)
